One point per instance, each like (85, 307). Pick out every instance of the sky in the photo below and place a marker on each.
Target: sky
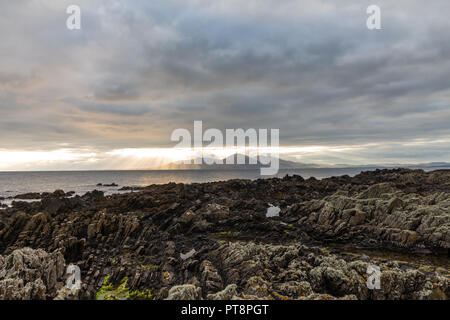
(108, 96)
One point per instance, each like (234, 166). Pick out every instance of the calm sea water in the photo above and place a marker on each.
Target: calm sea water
(13, 183)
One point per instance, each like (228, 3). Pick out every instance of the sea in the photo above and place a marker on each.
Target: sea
(15, 183)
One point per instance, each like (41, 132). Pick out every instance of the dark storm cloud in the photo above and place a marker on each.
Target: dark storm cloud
(139, 69)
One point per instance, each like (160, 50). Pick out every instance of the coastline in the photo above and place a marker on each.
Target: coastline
(312, 250)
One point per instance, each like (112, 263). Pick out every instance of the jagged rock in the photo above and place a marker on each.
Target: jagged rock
(28, 196)
(229, 293)
(140, 239)
(67, 294)
(30, 274)
(184, 292)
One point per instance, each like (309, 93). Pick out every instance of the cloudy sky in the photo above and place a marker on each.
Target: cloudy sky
(108, 96)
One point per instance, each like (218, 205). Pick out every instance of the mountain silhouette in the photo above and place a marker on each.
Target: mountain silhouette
(248, 164)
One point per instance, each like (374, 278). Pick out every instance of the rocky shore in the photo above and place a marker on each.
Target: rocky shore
(215, 241)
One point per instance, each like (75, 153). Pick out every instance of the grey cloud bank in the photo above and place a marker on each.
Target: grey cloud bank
(137, 70)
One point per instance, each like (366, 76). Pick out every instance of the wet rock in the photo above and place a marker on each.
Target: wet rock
(107, 185)
(28, 196)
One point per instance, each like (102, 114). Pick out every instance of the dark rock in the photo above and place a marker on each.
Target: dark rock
(141, 240)
(28, 196)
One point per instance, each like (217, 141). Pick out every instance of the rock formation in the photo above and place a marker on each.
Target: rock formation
(214, 241)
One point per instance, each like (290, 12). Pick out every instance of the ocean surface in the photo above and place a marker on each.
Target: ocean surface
(14, 183)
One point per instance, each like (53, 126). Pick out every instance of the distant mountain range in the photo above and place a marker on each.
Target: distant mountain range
(433, 164)
(284, 164)
(398, 165)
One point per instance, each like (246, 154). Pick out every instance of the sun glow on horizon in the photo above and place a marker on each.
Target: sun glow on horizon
(132, 158)
(9, 158)
(89, 158)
